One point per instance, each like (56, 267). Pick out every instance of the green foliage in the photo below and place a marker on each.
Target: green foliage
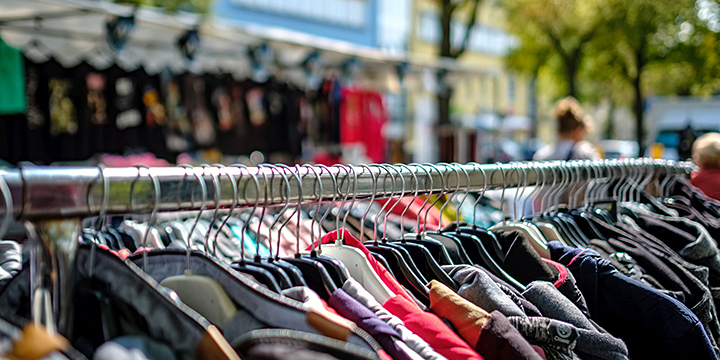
(664, 42)
(199, 6)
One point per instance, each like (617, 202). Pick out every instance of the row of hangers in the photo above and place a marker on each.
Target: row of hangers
(415, 258)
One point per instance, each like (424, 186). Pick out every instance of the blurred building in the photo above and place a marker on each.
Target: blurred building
(358, 22)
(493, 103)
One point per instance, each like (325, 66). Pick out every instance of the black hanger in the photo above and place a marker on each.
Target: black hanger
(398, 258)
(337, 270)
(422, 257)
(315, 274)
(262, 275)
(279, 273)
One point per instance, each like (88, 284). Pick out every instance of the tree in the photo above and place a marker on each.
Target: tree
(199, 6)
(448, 10)
(555, 29)
(647, 33)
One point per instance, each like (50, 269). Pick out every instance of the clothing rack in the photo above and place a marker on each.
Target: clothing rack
(67, 192)
(53, 200)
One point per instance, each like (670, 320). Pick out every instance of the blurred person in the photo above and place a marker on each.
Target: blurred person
(687, 140)
(573, 126)
(706, 154)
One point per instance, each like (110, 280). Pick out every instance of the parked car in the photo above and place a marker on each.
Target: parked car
(620, 149)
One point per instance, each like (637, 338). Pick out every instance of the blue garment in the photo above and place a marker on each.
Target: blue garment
(653, 325)
(249, 244)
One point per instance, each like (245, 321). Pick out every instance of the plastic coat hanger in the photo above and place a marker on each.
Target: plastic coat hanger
(548, 229)
(422, 257)
(506, 226)
(314, 272)
(337, 270)
(473, 238)
(397, 258)
(450, 240)
(280, 275)
(202, 293)
(422, 237)
(292, 271)
(355, 261)
(244, 265)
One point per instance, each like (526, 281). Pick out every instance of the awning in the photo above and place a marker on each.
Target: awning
(74, 30)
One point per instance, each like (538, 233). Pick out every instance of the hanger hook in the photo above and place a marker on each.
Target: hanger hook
(467, 190)
(215, 175)
(318, 182)
(402, 194)
(535, 167)
(280, 213)
(333, 177)
(502, 193)
(299, 204)
(103, 205)
(294, 172)
(234, 204)
(477, 166)
(452, 195)
(267, 187)
(352, 202)
(372, 199)
(255, 205)
(98, 224)
(417, 186)
(442, 192)
(203, 190)
(153, 213)
(387, 168)
(428, 176)
(346, 195)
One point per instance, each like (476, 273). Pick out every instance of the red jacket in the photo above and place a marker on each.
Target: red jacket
(708, 180)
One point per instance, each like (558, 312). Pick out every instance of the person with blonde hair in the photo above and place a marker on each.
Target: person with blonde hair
(706, 155)
(573, 125)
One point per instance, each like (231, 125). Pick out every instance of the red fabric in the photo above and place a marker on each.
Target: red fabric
(124, 253)
(540, 351)
(707, 180)
(328, 308)
(384, 274)
(383, 355)
(362, 118)
(431, 329)
(105, 247)
(562, 270)
(414, 207)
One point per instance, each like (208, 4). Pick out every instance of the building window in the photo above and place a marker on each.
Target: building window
(342, 12)
(483, 39)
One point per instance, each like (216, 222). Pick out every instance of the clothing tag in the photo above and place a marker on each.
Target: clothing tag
(562, 333)
(609, 205)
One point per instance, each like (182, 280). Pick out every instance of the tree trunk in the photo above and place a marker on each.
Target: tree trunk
(639, 103)
(445, 136)
(571, 69)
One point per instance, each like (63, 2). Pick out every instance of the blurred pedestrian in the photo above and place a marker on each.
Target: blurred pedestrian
(573, 127)
(687, 140)
(706, 154)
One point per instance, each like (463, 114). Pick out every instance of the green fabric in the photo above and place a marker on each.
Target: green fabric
(12, 80)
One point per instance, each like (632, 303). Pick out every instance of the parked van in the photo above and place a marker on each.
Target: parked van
(667, 117)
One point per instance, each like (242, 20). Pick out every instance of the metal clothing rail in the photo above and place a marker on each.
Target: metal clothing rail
(65, 192)
(53, 200)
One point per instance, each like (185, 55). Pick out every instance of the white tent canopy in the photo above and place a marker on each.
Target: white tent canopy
(74, 30)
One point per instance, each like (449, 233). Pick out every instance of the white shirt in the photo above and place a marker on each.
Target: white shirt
(582, 150)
